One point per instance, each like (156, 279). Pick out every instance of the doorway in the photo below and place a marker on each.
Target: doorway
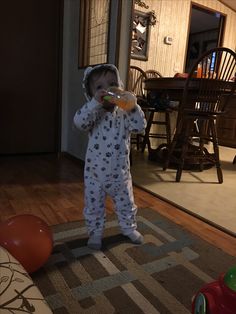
(30, 75)
(206, 32)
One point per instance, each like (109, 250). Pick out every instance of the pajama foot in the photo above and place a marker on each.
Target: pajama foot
(95, 243)
(135, 237)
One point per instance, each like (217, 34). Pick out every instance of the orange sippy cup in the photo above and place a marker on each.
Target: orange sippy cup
(123, 99)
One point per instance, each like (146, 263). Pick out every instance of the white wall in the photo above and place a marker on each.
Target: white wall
(74, 142)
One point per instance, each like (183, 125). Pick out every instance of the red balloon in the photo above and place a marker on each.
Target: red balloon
(28, 238)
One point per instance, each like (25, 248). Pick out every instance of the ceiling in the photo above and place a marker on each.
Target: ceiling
(230, 3)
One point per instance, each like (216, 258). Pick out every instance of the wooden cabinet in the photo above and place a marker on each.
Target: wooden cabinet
(226, 125)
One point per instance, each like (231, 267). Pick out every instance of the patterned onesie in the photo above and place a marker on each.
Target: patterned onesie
(107, 164)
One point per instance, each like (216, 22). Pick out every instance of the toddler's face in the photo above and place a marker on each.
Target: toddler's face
(103, 82)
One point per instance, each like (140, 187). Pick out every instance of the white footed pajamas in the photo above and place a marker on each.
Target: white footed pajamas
(107, 164)
(122, 195)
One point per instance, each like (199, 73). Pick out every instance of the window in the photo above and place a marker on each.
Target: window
(93, 32)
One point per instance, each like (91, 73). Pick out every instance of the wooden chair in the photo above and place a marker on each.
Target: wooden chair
(204, 99)
(152, 73)
(135, 85)
(153, 118)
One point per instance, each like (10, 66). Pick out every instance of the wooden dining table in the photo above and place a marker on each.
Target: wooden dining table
(173, 88)
(169, 87)
(174, 85)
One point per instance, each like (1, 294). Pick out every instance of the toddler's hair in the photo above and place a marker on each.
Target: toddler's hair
(97, 72)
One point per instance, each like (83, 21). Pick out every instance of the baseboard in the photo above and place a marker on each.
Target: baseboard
(73, 158)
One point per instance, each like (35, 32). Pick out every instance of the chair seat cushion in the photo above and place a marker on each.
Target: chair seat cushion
(18, 294)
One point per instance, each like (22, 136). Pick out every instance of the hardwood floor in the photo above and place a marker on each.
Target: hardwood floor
(51, 187)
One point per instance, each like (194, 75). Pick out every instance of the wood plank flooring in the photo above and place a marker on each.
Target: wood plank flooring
(52, 187)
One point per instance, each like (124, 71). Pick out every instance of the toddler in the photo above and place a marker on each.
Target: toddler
(107, 164)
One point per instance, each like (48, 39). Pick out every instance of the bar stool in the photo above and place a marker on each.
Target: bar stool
(135, 85)
(154, 119)
(153, 115)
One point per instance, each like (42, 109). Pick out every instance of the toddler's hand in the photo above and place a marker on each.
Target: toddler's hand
(99, 95)
(107, 105)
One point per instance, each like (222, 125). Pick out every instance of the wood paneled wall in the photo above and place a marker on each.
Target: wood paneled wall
(173, 18)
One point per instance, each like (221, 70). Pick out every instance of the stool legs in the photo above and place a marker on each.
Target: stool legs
(146, 140)
(181, 149)
(216, 150)
(168, 127)
(151, 121)
(184, 150)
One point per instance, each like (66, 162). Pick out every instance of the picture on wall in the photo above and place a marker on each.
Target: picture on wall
(140, 35)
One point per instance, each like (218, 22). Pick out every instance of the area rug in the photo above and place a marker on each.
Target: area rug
(159, 276)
